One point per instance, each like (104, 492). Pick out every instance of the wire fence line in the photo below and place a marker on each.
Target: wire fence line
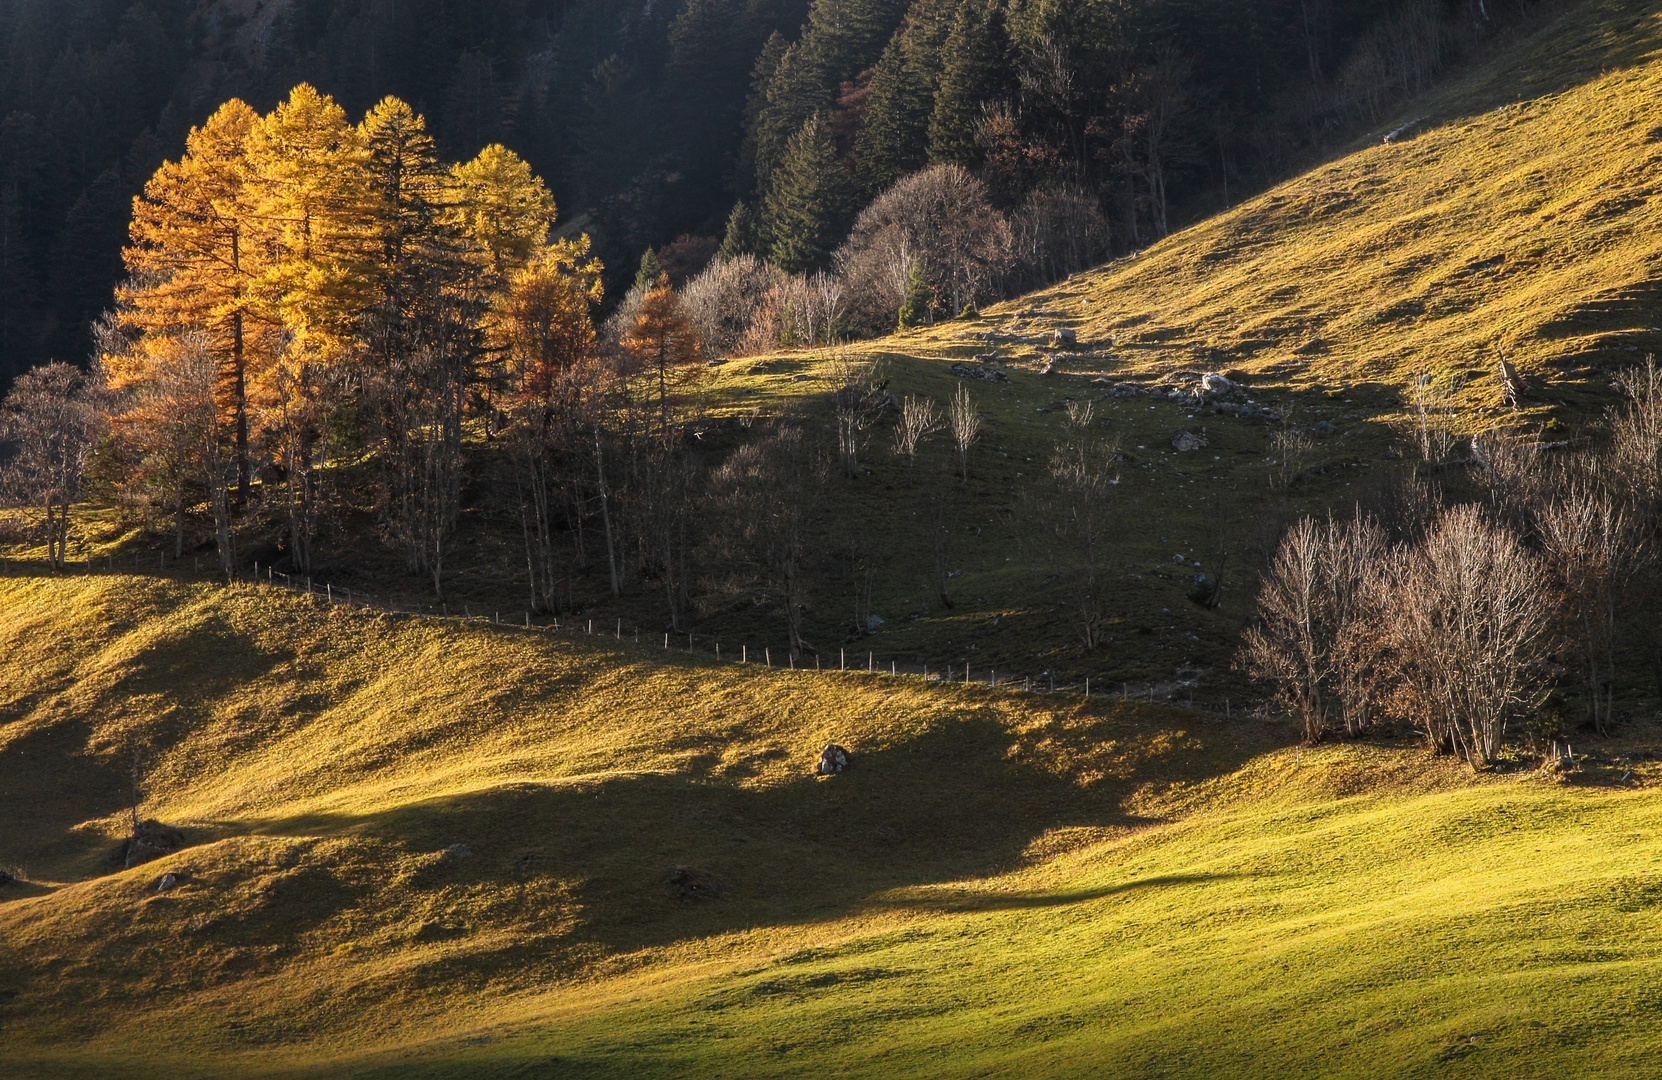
(956, 672)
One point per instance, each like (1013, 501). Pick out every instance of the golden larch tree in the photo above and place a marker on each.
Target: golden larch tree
(662, 340)
(193, 255)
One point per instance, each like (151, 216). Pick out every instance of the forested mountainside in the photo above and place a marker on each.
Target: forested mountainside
(652, 119)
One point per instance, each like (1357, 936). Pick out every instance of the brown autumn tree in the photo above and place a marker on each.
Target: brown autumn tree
(194, 252)
(662, 340)
(546, 322)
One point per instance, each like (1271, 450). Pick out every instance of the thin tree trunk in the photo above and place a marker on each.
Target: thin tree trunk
(606, 514)
(239, 369)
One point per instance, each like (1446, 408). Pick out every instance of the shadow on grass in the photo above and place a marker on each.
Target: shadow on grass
(585, 869)
(996, 901)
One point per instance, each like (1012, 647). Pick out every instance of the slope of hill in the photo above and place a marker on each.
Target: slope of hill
(1513, 211)
(445, 848)
(441, 848)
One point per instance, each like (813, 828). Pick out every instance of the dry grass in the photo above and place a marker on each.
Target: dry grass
(1520, 215)
(648, 880)
(324, 764)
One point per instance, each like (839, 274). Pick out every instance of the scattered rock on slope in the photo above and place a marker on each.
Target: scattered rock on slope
(1184, 441)
(832, 760)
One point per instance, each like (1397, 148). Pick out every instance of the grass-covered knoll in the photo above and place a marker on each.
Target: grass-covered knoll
(425, 848)
(1514, 210)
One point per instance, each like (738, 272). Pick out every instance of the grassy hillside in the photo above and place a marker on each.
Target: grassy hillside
(1515, 209)
(441, 847)
(438, 848)
(1515, 214)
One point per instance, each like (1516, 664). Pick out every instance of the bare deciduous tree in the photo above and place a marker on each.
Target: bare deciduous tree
(1636, 443)
(941, 219)
(185, 374)
(53, 418)
(1470, 617)
(1432, 403)
(940, 530)
(857, 400)
(1161, 99)
(1056, 231)
(1083, 468)
(918, 420)
(965, 422)
(1315, 639)
(1595, 553)
(1513, 474)
(765, 495)
(1289, 449)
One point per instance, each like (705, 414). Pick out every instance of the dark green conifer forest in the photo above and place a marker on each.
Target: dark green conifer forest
(654, 120)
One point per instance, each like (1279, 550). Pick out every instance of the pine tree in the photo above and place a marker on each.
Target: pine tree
(916, 309)
(649, 271)
(193, 256)
(740, 238)
(808, 200)
(975, 69)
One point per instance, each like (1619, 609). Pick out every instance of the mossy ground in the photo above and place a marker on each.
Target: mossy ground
(426, 847)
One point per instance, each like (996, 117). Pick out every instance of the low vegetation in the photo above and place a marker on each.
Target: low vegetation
(431, 847)
(1244, 649)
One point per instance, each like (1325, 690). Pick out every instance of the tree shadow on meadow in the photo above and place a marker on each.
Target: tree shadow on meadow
(635, 861)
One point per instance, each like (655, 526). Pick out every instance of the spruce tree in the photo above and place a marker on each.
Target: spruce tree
(406, 191)
(741, 234)
(975, 68)
(795, 95)
(761, 78)
(894, 140)
(808, 200)
(647, 276)
(891, 144)
(920, 298)
(844, 37)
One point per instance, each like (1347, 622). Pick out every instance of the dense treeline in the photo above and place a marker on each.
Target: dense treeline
(651, 120)
(630, 110)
